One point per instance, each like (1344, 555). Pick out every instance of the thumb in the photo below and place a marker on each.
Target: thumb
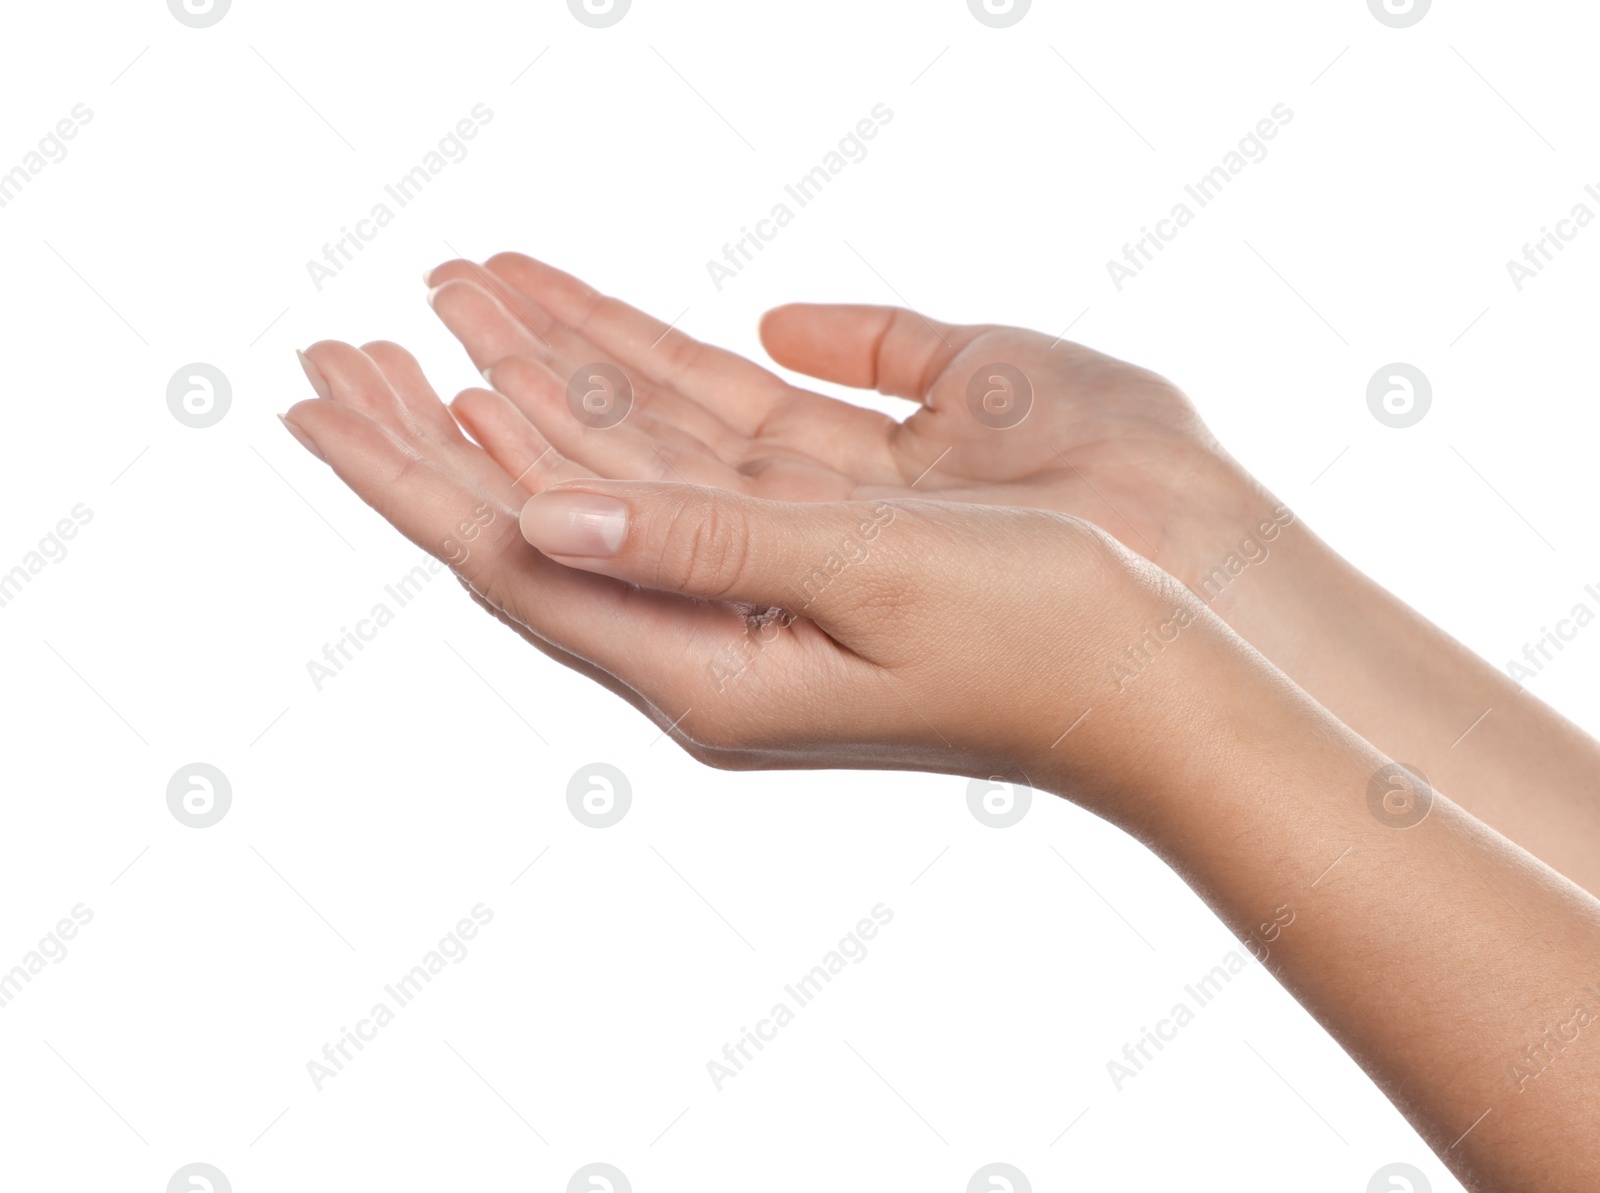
(889, 349)
(709, 543)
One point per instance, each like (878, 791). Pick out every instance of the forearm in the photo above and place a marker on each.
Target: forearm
(1417, 694)
(1460, 972)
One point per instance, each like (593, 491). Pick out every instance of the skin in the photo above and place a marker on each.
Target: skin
(1104, 441)
(1439, 954)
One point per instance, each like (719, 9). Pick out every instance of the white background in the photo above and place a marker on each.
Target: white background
(370, 816)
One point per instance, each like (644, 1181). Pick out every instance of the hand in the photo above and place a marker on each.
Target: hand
(892, 633)
(1104, 440)
(966, 639)
(1101, 439)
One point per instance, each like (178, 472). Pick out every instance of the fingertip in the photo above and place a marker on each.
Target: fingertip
(470, 399)
(508, 258)
(311, 415)
(446, 286)
(509, 373)
(772, 320)
(574, 524)
(429, 274)
(304, 437)
(313, 372)
(314, 423)
(790, 333)
(449, 278)
(469, 306)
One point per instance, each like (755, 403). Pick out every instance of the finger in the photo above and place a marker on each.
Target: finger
(717, 545)
(440, 511)
(646, 639)
(490, 330)
(513, 442)
(674, 659)
(736, 390)
(765, 418)
(524, 454)
(889, 349)
(613, 440)
(348, 376)
(406, 379)
(535, 319)
(356, 379)
(486, 327)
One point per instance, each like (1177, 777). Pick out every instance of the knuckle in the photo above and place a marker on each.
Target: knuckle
(1089, 552)
(411, 470)
(1113, 576)
(705, 548)
(1090, 544)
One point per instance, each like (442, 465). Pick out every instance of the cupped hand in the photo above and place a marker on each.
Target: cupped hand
(1005, 416)
(892, 632)
(1025, 644)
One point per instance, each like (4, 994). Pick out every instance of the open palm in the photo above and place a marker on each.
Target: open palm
(1006, 416)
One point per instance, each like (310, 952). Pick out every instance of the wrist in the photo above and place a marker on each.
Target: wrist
(1255, 563)
(1156, 689)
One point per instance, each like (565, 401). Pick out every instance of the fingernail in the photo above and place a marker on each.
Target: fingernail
(433, 294)
(586, 524)
(427, 278)
(487, 370)
(314, 375)
(305, 440)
